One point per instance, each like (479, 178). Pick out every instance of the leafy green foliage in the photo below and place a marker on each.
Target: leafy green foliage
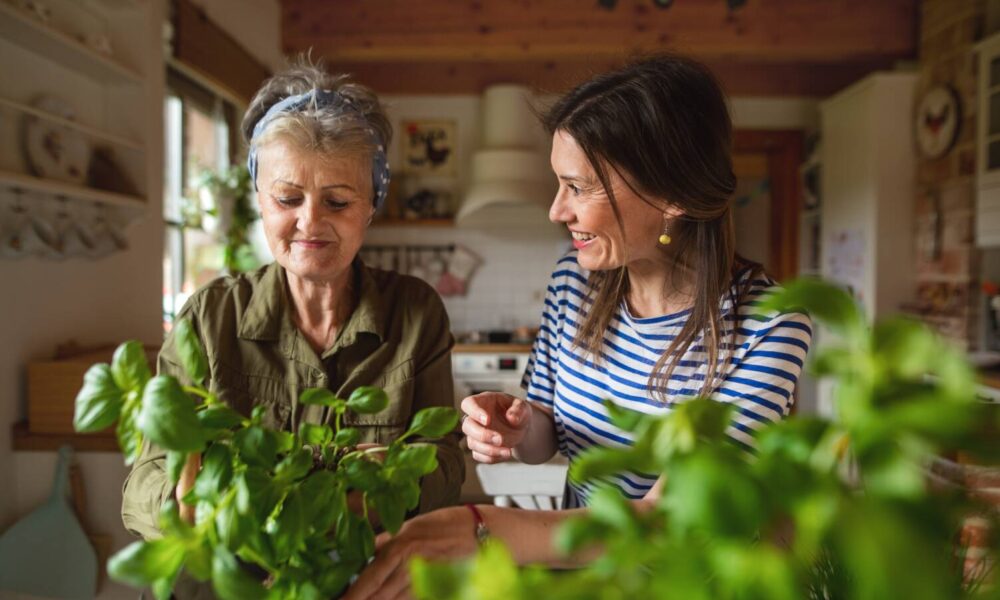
(785, 523)
(272, 518)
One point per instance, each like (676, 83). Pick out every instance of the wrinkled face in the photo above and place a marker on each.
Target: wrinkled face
(584, 207)
(315, 209)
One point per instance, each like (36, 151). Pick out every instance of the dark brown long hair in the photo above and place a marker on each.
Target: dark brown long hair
(662, 124)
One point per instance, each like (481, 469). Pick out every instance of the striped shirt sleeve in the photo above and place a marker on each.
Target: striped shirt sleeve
(761, 383)
(540, 374)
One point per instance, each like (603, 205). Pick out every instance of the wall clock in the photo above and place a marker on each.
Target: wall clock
(937, 121)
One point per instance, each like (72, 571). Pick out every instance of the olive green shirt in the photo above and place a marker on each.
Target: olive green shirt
(397, 338)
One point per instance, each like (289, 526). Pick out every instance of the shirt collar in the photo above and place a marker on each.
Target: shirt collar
(268, 315)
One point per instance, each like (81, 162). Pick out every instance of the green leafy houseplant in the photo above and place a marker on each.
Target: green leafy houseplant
(230, 191)
(785, 524)
(272, 517)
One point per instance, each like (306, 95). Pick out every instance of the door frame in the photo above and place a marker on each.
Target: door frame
(784, 148)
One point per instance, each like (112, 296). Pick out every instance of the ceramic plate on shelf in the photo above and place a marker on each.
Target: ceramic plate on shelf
(55, 151)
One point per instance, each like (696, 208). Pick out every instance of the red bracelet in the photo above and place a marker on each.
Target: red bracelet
(482, 532)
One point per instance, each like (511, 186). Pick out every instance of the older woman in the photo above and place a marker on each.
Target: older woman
(317, 316)
(653, 305)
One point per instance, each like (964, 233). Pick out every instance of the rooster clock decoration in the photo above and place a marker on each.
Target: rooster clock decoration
(938, 118)
(428, 147)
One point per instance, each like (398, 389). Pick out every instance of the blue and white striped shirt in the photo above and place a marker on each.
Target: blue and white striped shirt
(759, 381)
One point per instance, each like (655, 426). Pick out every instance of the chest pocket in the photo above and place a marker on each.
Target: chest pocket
(398, 385)
(244, 391)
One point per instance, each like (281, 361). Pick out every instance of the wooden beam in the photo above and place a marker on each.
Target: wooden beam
(739, 78)
(207, 51)
(476, 31)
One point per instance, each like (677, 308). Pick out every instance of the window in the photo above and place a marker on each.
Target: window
(200, 133)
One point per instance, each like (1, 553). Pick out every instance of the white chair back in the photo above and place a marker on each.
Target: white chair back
(532, 487)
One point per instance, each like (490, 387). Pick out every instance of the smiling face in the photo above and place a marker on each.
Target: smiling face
(584, 207)
(314, 208)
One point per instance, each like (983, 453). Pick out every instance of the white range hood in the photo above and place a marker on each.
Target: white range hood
(511, 181)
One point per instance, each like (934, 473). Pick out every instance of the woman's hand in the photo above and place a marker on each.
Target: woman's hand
(445, 534)
(184, 484)
(495, 424)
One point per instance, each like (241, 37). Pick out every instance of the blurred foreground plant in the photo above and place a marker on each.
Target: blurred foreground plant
(785, 524)
(272, 519)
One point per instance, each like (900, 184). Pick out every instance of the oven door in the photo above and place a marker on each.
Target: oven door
(470, 386)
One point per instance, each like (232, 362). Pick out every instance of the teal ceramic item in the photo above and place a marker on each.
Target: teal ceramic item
(47, 553)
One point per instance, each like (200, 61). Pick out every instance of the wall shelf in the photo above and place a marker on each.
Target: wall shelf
(62, 48)
(24, 440)
(82, 128)
(59, 188)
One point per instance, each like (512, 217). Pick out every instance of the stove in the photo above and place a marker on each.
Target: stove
(490, 369)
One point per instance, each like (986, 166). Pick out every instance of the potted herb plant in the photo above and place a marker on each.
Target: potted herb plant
(271, 502)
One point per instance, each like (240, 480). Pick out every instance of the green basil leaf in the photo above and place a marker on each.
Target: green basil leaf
(233, 528)
(347, 437)
(232, 582)
(320, 397)
(609, 507)
(284, 441)
(220, 417)
(256, 493)
(390, 509)
(623, 418)
(289, 528)
(295, 466)
(324, 497)
(191, 353)
(175, 464)
(257, 414)
(256, 447)
(168, 416)
(216, 473)
(315, 435)
(579, 532)
(362, 473)
(129, 436)
(99, 402)
(355, 538)
(414, 460)
(827, 303)
(368, 400)
(433, 422)
(129, 366)
(142, 563)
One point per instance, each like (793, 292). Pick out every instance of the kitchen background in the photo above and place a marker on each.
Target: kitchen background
(825, 96)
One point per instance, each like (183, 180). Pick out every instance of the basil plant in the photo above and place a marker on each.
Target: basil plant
(785, 523)
(272, 517)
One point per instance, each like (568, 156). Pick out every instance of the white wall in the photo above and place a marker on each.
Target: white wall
(46, 303)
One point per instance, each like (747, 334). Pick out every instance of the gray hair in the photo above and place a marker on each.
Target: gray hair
(319, 128)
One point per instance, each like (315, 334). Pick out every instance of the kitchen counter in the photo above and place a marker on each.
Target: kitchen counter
(494, 348)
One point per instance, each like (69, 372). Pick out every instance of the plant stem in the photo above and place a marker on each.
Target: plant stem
(197, 391)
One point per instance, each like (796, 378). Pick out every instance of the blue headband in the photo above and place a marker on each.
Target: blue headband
(341, 105)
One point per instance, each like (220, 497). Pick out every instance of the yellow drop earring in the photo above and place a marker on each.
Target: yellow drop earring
(665, 238)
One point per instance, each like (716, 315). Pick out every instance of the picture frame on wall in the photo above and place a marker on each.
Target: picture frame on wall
(428, 173)
(428, 147)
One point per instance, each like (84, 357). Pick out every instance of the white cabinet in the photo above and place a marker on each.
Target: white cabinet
(868, 197)
(988, 144)
(92, 71)
(868, 190)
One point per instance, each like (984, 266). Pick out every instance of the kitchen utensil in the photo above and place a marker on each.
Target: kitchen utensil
(47, 553)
